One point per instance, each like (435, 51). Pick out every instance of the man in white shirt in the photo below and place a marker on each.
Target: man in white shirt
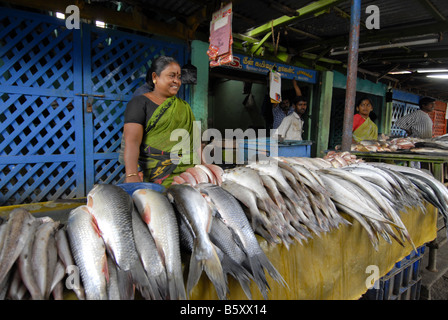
(291, 127)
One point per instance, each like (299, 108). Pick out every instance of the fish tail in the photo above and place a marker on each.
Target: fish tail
(143, 284)
(239, 272)
(176, 286)
(213, 268)
(259, 262)
(125, 286)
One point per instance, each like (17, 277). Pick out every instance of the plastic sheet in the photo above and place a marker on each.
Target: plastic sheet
(333, 266)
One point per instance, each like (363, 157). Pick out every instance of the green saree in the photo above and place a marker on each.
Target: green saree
(366, 131)
(160, 158)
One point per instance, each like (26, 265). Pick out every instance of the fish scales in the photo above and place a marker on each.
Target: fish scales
(112, 208)
(197, 214)
(152, 262)
(159, 216)
(234, 217)
(15, 237)
(89, 253)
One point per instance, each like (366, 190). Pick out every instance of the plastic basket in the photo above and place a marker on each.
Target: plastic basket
(403, 282)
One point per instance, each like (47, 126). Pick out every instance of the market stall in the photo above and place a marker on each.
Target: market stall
(336, 248)
(334, 266)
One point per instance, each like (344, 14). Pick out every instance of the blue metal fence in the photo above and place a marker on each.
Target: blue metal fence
(62, 104)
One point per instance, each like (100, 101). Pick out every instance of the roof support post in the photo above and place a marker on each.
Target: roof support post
(350, 93)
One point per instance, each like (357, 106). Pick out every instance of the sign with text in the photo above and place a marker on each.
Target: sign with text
(246, 63)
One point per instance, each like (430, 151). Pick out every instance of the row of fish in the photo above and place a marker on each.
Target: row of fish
(161, 243)
(384, 144)
(34, 257)
(294, 198)
(342, 158)
(200, 173)
(122, 245)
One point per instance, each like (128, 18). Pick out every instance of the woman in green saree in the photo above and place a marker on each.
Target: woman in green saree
(363, 127)
(149, 121)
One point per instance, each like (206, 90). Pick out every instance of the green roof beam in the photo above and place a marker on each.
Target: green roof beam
(313, 8)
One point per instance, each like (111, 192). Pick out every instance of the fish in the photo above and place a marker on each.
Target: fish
(197, 214)
(210, 175)
(372, 196)
(44, 256)
(198, 174)
(112, 208)
(15, 237)
(188, 178)
(233, 215)
(340, 194)
(66, 257)
(150, 257)
(26, 268)
(232, 256)
(89, 252)
(178, 180)
(56, 279)
(159, 216)
(259, 221)
(251, 179)
(217, 172)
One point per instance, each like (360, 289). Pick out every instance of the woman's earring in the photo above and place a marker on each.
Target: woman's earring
(155, 81)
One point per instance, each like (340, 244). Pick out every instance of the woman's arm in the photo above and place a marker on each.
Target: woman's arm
(133, 135)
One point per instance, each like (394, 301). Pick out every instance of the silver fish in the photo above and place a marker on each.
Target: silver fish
(159, 216)
(233, 258)
(15, 238)
(44, 256)
(233, 215)
(259, 221)
(66, 257)
(150, 257)
(198, 215)
(89, 252)
(112, 208)
(26, 267)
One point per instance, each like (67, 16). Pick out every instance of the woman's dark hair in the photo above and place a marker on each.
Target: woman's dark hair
(158, 65)
(362, 99)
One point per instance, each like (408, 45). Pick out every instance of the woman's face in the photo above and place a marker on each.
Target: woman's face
(364, 108)
(169, 81)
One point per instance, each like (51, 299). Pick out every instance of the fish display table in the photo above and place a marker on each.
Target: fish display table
(437, 160)
(335, 265)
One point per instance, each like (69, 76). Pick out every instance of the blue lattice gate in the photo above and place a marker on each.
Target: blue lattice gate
(62, 104)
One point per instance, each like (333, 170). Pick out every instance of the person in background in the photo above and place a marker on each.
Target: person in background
(418, 124)
(284, 108)
(291, 127)
(363, 126)
(149, 120)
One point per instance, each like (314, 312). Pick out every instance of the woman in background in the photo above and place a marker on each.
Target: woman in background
(363, 127)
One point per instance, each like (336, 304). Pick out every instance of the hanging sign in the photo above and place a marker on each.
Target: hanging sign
(275, 87)
(264, 66)
(220, 48)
